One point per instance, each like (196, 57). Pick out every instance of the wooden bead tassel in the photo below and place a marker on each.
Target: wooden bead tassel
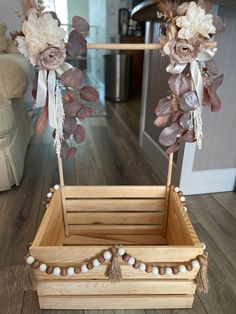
(202, 279)
(113, 271)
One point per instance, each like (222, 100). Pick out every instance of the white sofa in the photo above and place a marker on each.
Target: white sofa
(15, 124)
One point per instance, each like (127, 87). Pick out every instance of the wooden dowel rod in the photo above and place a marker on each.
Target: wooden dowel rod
(167, 196)
(118, 46)
(170, 168)
(60, 169)
(63, 200)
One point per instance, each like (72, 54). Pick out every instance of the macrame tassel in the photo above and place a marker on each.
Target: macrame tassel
(202, 279)
(113, 271)
(197, 120)
(29, 279)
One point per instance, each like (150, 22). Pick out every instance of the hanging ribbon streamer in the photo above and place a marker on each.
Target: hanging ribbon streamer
(41, 89)
(48, 85)
(60, 115)
(51, 99)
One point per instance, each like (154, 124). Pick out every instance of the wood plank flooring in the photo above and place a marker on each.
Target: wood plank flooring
(110, 155)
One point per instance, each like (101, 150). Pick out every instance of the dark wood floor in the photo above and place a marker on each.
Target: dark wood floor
(110, 155)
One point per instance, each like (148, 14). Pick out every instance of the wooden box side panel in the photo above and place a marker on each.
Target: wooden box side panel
(116, 302)
(125, 287)
(51, 230)
(115, 214)
(179, 227)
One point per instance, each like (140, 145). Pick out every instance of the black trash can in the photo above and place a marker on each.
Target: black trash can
(117, 77)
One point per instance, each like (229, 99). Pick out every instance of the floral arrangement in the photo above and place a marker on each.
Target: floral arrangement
(187, 39)
(58, 87)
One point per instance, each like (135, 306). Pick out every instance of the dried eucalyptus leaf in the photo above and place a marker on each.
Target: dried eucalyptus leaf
(72, 108)
(69, 126)
(189, 101)
(84, 113)
(169, 135)
(164, 107)
(66, 150)
(219, 24)
(186, 121)
(79, 134)
(77, 45)
(161, 121)
(80, 24)
(217, 82)
(172, 149)
(179, 84)
(189, 137)
(72, 78)
(89, 93)
(212, 67)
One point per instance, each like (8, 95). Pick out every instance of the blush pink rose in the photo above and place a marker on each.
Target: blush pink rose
(51, 58)
(182, 52)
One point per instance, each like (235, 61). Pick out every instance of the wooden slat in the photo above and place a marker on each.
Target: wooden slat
(128, 272)
(116, 302)
(68, 255)
(118, 218)
(115, 229)
(115, 205)
(129, 191)
(179, 229)
(50, 227)
(124, 46)
(110, 239)
(102, 287)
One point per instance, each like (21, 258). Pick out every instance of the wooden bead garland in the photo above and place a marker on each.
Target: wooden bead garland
(108, 256)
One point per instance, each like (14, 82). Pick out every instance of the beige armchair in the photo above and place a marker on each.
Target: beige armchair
(15, 124)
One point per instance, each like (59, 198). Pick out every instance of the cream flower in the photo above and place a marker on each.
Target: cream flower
(195, 22)
(22, 46)
(41, 32)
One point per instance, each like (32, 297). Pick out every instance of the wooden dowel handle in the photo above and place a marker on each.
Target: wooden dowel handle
(118, 46)
(60, 170)
(170, 168)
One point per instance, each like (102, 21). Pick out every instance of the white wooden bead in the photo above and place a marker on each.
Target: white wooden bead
(56, 187)
(168, 271)
(203, 246)
(121, 251)
(176, 189)
(71, 271)
(182, 269)
(185, 208)
(30, 259)
(49, 195)
(155, 270)
(195, 264)
(182, 198)
(107, 255)
(42, 267)
(56, 271)
(47, 205)
(96, 263)
(84, 269)
(131, 261)
(142, 267)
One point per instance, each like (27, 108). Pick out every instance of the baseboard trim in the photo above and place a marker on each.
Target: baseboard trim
(210, 181)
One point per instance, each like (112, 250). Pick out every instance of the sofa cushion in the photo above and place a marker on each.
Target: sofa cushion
(15, 73)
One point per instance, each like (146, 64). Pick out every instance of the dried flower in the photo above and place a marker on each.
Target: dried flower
(195, 22)
(51, 57)
(40, 32)
(180, 51)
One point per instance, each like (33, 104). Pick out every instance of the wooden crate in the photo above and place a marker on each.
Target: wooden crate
(150, 222)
